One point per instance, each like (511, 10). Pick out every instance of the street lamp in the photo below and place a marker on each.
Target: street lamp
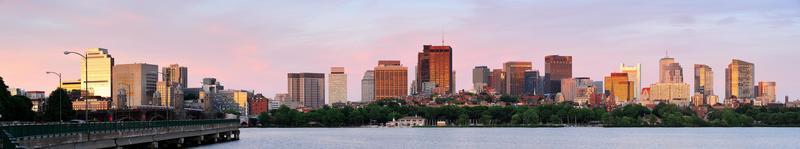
(59, 95)
(85, 81)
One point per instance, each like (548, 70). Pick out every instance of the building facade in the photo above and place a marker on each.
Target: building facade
(391, 80)
(338, 86)
(556, 68)
(703, 84)
(740, 80)
(480, 78)
(435, 64)
(533, 83)
(670, 71)
(766, 92)
(99, 79)
(134, 85)
(368, 86)
(176, 74)
(618, 88)
(498, 81)
(515, 76)
(634, 75)
(307, 88)
(675, 93)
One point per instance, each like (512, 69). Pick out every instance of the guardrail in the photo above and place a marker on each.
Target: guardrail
(10, 133)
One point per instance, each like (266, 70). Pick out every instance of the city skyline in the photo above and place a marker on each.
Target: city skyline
(257, 59)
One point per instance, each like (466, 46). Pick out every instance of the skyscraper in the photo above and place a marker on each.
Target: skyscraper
(766, 92)
(533, 83)
(480, 78)
(703, 80)
(176, 74)
(619, 88)
(740, 80)
(556, 68)
(368, 86)
(498, 81)
(307, 88)
(634, 75)
(391, 80)
(515, 76)
(435, 64)
(670, 71)
(338, 86)
(134, 85)
(99, 77)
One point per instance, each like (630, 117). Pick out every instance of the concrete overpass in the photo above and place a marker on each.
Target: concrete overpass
(149, 134)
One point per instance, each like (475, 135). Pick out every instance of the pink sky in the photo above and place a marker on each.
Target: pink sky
(253, 44)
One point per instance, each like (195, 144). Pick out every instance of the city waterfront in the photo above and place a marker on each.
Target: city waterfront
(772, 138)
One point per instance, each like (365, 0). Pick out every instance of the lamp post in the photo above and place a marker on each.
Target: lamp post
(85, 80)
(59, 95)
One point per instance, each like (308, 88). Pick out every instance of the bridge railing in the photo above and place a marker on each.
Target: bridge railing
(10, 133)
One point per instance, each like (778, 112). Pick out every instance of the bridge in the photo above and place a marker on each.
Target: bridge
(140, 134)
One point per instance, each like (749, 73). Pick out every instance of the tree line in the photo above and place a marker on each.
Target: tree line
(19, 108)
(562, 114)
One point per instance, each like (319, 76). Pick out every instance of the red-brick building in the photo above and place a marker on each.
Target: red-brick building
(259, 104)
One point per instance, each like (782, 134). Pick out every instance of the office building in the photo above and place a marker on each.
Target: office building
(618, 88)
(740, 80)
(670, 71)
(307, 88)
(498, 81)
(368, 87)
(391, 80)
(634, 75)
(556, 68)
(766, 92)
(338, 86)
(533, 83)
(134, 85)
(99, 77)
(435, 64)
(675, 93)
(480, 78)
(515, 76)
(259, 104)
(176, 74)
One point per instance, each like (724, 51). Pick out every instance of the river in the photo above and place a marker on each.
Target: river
(406, 138)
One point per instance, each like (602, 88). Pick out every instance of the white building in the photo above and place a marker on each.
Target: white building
(337, 89)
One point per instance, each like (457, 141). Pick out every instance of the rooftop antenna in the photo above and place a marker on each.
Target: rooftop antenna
(442, 38)
(667, 53)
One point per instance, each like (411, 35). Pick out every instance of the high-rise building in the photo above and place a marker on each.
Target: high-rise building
(368, 87)
(338, 86)
(242, 99)
(556, 68)
(391, 80)
(703, 80)
(515, 76)
(498, 81)
(134, 85)
(308, 89)
(619, 88)
(533, 83)
(740, 80)
(766, 92)
(176, 74)
(670, 71)
(703, 83)
(435, 64)
(168, 94)
(635, 75)
(480, 78)
(99, 77)
(578, 90)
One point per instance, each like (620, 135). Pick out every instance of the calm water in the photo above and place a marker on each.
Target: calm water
(404, 138)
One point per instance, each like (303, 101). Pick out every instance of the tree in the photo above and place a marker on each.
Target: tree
(509, 99)
(463, 119)
(58, 106)
(5, 95)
